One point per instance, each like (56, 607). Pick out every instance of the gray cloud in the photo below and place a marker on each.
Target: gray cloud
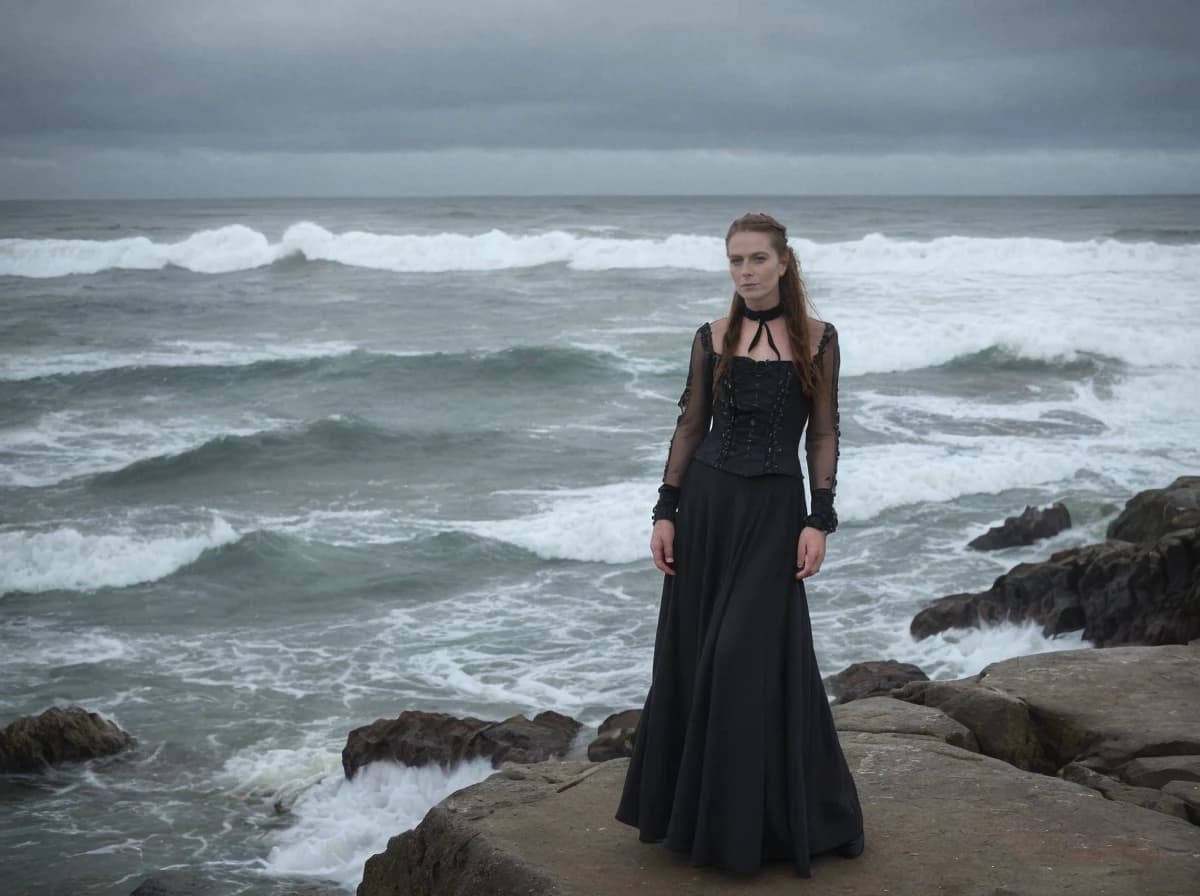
(864, 77)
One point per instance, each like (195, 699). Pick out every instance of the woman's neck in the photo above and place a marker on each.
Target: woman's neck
(764, 303)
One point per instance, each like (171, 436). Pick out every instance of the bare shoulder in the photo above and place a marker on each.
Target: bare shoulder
(820, 334)
(717, 328)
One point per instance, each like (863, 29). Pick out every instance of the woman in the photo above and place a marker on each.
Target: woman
(736, 760)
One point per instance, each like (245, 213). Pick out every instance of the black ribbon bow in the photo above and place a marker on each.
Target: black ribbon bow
(762, 317)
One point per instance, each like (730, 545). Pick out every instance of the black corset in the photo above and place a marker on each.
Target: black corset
(758, 417)
(752, 421)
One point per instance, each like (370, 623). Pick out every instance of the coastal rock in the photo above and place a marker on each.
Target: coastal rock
(180, 882)
(1127, 714)
(417, 738)
(1118, 593)
(518, 739)
(870, 679)
(1110, 788)
(1108, 707)
(884, 715)
(1033, 524)
(60, 734)
(621, 721)
(614, 739)
(175, 883)
(1188, 792)
(986, 827)
(1158, 771)
(449, 851)
(1151, 514)
(1000, 722)
(414, 738)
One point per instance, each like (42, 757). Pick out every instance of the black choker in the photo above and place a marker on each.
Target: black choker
(762, 317)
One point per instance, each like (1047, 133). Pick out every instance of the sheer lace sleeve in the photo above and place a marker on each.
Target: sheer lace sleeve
(823, 435)
(695, 417)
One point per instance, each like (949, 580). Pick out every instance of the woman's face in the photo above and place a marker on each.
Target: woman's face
(755, 267)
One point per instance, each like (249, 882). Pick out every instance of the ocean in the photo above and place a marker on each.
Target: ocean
(270, 470)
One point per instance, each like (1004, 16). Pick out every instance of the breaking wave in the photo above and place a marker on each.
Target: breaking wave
(236, 247)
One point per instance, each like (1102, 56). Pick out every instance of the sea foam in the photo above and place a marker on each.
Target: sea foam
(168, 353)
(959, 653)
(67, 559)
(611, 523)
(341, 823)
(237, 247)
(603, 524)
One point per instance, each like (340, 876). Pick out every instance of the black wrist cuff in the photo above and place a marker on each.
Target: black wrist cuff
(822, 515)
(668, 500)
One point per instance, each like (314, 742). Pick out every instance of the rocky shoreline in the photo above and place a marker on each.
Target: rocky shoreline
(1066, 772)
(1141, 586)
(1056, 773)
(1075, 771)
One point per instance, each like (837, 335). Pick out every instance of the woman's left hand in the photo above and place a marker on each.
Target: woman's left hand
(810, 552)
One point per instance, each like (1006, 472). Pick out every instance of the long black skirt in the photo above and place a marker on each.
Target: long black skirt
(736, 761)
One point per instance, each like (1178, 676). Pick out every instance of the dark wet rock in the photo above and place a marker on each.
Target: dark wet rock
(518, 739)
(413, 738)
(1140, 587)
(1151, 514)
(621, 721)
(175, 883)
(1117, 593)
(313, 888)
(419, 738)
(614, 739)
(60, 734)
(184, 882)
(871, 679)
(1033, 524)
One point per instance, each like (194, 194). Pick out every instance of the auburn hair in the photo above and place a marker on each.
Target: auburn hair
(792, 296)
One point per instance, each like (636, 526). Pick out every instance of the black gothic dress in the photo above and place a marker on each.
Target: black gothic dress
(736, 761)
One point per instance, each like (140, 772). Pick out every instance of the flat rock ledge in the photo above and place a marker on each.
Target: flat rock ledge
(942, 816)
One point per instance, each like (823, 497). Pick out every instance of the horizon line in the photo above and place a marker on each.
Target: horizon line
(467, 196)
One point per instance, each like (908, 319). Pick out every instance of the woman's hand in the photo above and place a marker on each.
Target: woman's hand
(810, 552)
(662, 546)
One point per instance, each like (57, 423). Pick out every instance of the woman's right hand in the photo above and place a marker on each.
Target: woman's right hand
(662, 546)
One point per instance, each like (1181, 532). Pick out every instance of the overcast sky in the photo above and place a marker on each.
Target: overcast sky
(107, 98)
